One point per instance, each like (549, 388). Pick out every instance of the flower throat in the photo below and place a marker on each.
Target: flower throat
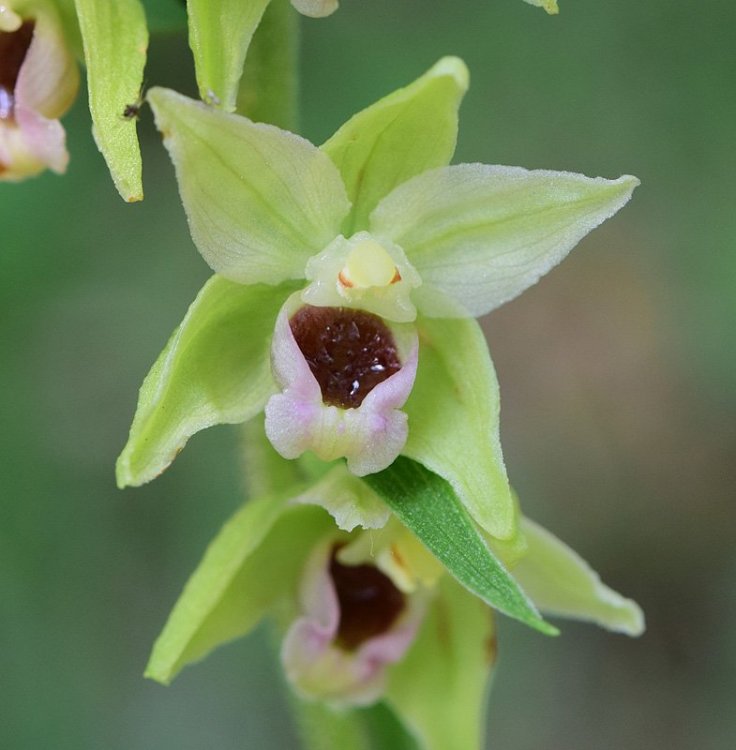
(348, 351)
(13, 49)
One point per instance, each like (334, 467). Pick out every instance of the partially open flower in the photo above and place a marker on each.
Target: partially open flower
(38, 83)
(344, 375)
(355, 623)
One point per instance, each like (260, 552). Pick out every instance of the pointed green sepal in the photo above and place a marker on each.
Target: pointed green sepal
(438, 689)
(219, 35)
(426, 504)
(454, 420)
(479, 235)
(214, 370)
(402, 135)
(561, 583)
(253, 563)
(115, 39)
(260, 201)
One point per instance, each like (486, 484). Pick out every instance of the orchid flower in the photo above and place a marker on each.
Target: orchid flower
(366, 612)
(38, 83)
(347, 280)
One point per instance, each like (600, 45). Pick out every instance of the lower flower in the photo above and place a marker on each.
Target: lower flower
(355, 623)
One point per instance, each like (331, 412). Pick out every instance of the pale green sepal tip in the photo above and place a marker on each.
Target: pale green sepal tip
(454, 420)
(215, 369)
(252, 564)
(115, 40)
(561, 583)
(402, 135)
(438, 689)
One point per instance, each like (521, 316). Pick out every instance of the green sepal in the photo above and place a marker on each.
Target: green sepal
(426, 504)
(214, 370)
(115, 39)
(454, 420)
(252, 564)
(439, 688)
(402, 135)
(561, 583)
(219, 35)
(260, 201)
(479, 235)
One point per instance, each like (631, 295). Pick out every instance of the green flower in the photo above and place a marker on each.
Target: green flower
(369, 614)
(357, 267)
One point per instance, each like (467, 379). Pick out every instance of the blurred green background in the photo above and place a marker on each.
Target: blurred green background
(616, 372)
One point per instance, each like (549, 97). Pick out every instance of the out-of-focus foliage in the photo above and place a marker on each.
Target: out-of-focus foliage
(616, 379)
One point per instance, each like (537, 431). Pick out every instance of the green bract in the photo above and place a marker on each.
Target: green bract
(115, 40)
(266, 209)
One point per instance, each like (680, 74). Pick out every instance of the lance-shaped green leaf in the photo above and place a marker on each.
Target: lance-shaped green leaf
(214, 370)
(561, 583)
(219, 35)
(454, 420)
(251, 564)
(481, 234)
(402, 135)
(439, 688)
(260, 201)
(115, 41)
(426, 504)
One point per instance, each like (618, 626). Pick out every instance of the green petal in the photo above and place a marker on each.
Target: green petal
(253, 563)
(260, 200)
(481, 235)
(402, 135)
(454, 417)
(219, 35)
(561, 583)
(347, 499)
(439, 688)
(427, 506)
(214, 370)
(115, 40)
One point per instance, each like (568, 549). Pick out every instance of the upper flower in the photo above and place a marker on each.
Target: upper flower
(395, 248)
(38, 83)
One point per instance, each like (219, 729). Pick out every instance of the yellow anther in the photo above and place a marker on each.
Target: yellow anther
(368, 264)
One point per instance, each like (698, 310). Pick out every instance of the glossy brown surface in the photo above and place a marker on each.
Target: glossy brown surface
(13, 49)
(369, 603)
(348, 351)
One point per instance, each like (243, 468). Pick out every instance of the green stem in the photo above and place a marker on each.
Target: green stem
(269, 93)
(269, 89)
